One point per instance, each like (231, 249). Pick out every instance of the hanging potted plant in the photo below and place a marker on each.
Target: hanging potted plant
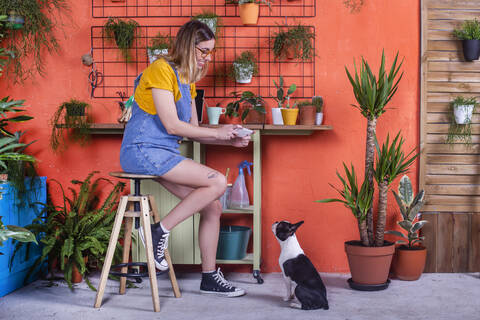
(249, 9)
(159, 46)
(469, 33)
(211, 19)
(295, 42)
(123, 32)
(461, 120)
(409, 259)
(317, 101)
(369, 259)
(70, 115)
(244, 68)
(288, 113)
(306, 113)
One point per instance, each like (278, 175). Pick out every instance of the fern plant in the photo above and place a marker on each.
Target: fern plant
(79, 227)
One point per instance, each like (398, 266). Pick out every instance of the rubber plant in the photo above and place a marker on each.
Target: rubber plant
(78, 227)
(27, 46)
(123, 32)
(372, 93)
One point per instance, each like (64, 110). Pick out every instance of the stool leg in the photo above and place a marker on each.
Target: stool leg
(127, 242)
(111, 250)
(171, 271)
(144, 207)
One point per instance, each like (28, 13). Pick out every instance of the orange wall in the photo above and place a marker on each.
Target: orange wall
(296, 170)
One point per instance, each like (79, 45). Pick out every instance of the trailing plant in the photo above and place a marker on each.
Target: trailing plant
(70, 115)
(354, 5)
(283, 100)
(160, 42)
(123, 32)
(470, 30)
(28, 45)
(460, 132)
(79, 227)
(211, 19)
(15, 233)
(247, 63)
(317, 101)
(297, 38)
(372, 94)
(409, 208)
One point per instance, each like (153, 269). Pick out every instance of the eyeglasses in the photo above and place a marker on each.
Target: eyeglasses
(205, 52)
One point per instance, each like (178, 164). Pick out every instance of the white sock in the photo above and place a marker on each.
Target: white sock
(164, 229)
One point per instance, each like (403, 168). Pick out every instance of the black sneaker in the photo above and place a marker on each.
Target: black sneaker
(160, 243)
(215, 283)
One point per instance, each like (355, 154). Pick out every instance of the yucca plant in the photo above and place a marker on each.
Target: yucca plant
(372, 94)
(409, 208)
(79, 227)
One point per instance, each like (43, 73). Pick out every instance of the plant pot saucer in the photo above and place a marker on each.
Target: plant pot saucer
(368, 287)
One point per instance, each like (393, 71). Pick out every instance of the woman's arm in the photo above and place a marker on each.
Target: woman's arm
(167, 112)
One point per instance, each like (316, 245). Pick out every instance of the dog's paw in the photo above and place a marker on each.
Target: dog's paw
(288, 298)
(295, 305)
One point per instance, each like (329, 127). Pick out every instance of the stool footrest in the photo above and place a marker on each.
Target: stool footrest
(132, 274)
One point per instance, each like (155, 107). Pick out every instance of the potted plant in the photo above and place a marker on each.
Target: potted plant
(317, 101)
(71, 115)
(232, 110)
(79, 228)
(288, 112)
(159, 45)
(409, 260)
(307, 113)
(123, 32)
(244, 68)
(249, 9)
(460, 127)
(295, 42)
(370, 258)
(469, 33)
(254, 108)
(211, 19)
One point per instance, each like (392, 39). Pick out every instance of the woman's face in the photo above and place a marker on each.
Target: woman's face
(204, 51)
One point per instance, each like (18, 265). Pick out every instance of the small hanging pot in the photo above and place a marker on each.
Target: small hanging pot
(463, 113)
(471, 49)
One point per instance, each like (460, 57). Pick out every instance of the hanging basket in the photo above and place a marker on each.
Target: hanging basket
(463, 113)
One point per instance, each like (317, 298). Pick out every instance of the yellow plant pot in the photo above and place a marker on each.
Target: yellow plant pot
(249, 13)
(289, 116)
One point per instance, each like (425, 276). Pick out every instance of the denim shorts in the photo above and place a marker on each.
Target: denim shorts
(145, 158)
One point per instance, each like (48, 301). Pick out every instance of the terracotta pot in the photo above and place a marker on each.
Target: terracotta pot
(306, 115)
(232, 120)
(76, 276)
(254, 117)
(408, 264)
(369, 265)
(249, 13)
(289, 116)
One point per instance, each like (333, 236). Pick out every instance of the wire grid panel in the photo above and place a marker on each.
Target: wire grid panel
(189, 8)
(233, 40)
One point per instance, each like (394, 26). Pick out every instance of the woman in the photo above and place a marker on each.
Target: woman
(163, 114)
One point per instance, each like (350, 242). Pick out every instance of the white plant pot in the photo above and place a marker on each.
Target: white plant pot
(277, 116)
(318, 118)
(463, 113)
(154, 54)
(210, 22)
(243, 73)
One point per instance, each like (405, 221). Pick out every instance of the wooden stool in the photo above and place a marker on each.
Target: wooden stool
(139, 207)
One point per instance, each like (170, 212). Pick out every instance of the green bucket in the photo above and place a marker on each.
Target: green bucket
(232, 242)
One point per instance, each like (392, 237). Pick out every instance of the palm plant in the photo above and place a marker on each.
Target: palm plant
(79, 227)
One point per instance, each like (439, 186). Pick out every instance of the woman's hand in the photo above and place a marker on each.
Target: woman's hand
(226, 132)
(241, 142)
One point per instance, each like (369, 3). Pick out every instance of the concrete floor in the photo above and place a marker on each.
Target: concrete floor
(434, 296)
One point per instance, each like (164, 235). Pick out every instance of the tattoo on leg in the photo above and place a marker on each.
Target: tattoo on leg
(212, 174)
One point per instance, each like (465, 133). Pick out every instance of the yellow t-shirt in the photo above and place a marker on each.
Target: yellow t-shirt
(158, 75)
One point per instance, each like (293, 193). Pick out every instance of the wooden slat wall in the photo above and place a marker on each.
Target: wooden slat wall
(450, 175)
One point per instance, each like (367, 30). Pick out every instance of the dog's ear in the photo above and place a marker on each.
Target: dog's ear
(294, 227)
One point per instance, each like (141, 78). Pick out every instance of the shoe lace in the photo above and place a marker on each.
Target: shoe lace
(162, 244)
(220, 279)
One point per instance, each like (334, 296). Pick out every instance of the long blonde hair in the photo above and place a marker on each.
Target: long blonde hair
(183, 53)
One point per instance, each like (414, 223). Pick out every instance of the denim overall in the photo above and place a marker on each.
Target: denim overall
(147, 148)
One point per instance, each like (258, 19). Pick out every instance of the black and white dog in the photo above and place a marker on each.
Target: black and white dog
(310, 290)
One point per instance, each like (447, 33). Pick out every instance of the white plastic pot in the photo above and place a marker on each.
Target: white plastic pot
(319, 118)
(153, 54)
(463, 113)
(243, 73)
(277, 116)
